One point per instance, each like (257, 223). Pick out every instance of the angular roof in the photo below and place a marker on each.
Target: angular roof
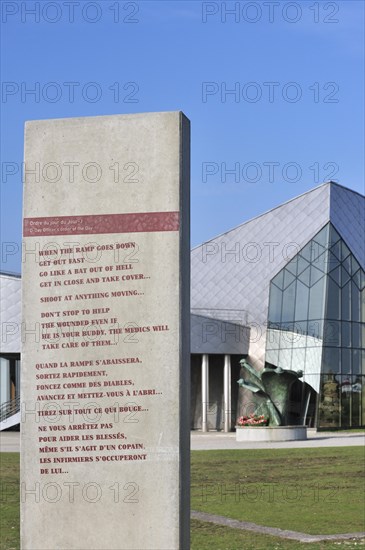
(233, 270)
(10, 304)
(229, 270)
(347, 213)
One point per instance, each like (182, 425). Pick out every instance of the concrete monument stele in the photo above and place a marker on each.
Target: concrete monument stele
(106, 354)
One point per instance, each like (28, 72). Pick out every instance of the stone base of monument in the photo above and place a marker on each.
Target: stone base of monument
(271, 433)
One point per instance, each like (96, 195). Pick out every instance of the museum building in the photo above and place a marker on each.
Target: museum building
(286, 290)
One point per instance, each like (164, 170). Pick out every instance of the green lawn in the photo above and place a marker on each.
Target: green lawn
(9, 501)
(315, 491)
(205, 536)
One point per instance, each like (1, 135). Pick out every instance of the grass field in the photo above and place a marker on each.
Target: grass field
(9, 501)
(316, 491)
(205, 536)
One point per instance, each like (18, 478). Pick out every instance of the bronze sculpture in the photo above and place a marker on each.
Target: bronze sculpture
(272, 386)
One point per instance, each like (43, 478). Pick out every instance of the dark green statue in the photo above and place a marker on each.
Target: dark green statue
(272, 387)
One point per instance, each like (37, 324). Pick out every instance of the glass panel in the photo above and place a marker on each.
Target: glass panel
(298, 359)
(347, 264)
(300, 328)
(334, 236)
(314, 346)
(336, 249)
(346, 335)
(362, 279)
(316, 250)
(331, 360)
(17, 377)
(357, 278)
(272, 356)
(322, 262)
(292, 265)
(345, 401)
(279, 279)
(329, 403)
(355, 302)
(316, 274)
(363, 335)
(301, 303)
(315, 328)
(363, 364)
(288, 278)
(4, 380)
(287, 327)
(356, 335)
(313, 362)
(322, 236)
(288, 337)
(345, 302)
(333, 262)
(316, 300)
(356, 401)
(332, 333)
(288, 303)
(285, 358)
(302, 264)
(273, 339)
(306, 252)
(275, 304)
(345, 277)
(333, 300)
(362, 301)
(273, 325)
(345, 251)
(354, 265)
(335, 275)
(345, 361)
(304, 276)
(356, 361)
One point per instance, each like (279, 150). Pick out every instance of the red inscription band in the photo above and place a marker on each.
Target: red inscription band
(144, 222)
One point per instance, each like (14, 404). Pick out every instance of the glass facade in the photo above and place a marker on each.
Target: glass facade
(316, 323)
(9, 377)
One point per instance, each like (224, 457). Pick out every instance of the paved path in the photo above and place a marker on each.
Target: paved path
(218, 440)
(273, 531)
(9, 441)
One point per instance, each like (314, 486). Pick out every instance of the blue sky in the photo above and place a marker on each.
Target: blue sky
(293, 119)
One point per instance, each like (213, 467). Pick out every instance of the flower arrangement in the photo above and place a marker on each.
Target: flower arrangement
(253, 420)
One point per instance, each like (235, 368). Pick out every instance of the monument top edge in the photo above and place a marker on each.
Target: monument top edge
(116, 116)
